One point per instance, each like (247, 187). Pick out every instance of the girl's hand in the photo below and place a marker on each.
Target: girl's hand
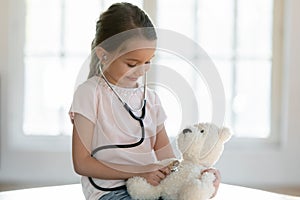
(217, 181)
(155, 177)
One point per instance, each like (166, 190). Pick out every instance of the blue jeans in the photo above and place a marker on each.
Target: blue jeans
(117, 195)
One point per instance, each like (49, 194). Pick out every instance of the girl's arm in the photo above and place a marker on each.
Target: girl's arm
(86, 165)
(162, 147)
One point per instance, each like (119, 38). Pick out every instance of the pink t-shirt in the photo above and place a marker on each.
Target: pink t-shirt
(113, 125)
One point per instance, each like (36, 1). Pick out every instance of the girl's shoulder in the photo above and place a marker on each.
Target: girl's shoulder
(91, 82)
(152, 95)
(90, 86)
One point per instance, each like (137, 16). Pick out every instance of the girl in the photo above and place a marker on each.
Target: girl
(123, 47)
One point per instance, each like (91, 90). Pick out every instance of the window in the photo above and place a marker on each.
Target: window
(237, 35)
(58, 38)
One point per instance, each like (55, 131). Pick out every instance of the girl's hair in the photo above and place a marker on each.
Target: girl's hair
(118, 18)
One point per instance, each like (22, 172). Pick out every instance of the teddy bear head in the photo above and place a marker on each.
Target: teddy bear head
(202, 143)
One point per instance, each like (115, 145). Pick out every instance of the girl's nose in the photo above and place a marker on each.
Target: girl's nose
(142, 69)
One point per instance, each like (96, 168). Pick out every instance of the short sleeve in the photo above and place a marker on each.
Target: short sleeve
(160, 113)
(85, 101)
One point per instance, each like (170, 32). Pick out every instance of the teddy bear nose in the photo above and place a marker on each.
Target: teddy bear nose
(186, 130)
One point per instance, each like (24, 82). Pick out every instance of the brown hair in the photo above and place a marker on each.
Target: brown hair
(118, 18)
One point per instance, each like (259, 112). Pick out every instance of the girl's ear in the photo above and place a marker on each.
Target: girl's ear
(101, 54)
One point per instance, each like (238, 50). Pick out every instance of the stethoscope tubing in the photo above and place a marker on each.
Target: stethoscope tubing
(139, 119)
(114, 146)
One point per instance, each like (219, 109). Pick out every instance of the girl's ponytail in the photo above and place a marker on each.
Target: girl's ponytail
(94, 66)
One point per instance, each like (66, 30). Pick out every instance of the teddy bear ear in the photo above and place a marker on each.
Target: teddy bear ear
(225, 134)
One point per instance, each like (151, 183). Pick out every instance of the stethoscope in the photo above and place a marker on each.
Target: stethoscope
(137, 118)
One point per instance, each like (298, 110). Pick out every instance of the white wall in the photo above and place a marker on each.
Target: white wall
(244, 163)
(274, 164)
(18, 165)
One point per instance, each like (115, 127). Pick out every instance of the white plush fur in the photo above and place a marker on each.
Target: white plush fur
(201, 146)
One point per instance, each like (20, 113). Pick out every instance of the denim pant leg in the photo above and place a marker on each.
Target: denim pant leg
(118, 195)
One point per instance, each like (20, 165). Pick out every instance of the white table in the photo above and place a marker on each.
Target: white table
(74, 192)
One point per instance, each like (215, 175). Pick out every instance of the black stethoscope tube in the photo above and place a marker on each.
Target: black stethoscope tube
(113, 146)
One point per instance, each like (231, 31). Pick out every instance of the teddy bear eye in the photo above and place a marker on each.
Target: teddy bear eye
(186, 130)
(202, 131)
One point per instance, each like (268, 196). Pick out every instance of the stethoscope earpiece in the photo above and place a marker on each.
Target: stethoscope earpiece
(104, 57)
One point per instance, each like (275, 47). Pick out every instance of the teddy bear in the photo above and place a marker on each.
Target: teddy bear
(201, 146)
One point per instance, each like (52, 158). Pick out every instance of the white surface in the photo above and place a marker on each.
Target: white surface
(74, 192)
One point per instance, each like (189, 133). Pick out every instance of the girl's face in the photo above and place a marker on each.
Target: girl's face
(126, 69)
